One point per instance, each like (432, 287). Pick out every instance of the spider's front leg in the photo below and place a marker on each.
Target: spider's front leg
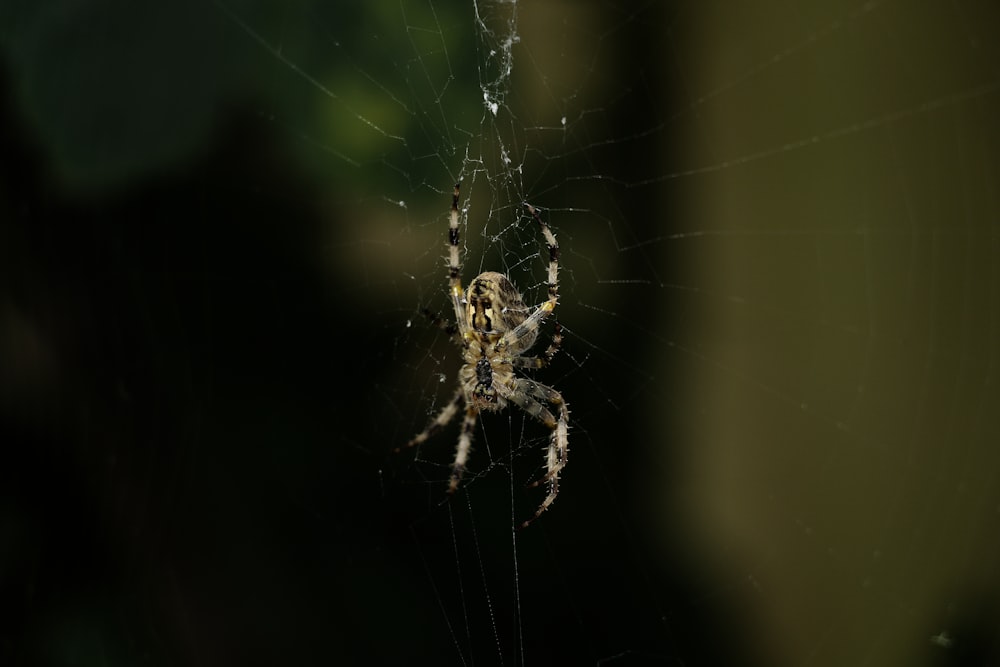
(456, 292)
(521, 336)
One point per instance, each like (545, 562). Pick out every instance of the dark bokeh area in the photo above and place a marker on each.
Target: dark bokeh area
(190, 475)
(195, 468)
(162, 382)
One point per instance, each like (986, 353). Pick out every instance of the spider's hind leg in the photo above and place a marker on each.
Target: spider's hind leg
(442, 419)
(531, 397)
(463, 449)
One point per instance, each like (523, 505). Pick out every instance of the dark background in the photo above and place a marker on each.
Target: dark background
(197, 446)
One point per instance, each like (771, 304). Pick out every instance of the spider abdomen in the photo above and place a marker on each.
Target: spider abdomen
(494, 306)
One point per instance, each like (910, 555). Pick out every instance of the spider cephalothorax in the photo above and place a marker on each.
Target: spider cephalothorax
(495, 330)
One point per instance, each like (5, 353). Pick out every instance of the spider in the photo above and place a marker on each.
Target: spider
(494, 330)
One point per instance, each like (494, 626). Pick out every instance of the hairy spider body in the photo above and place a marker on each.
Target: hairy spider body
(495, 330)
(491, 297)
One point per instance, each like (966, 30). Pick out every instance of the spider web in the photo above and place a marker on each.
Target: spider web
(778, 294)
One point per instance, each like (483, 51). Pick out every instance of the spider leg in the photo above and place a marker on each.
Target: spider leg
(442, 419)
(463, 449)
(531, 396)
(559, 439)
(455, 263)
(514, 339)
(553, 245)
(545, 358)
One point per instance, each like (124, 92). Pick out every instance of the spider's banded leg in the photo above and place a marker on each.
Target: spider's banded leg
(514, 338)
(553, 246)
(554, 345)
(528, 396)
(463, 449)
(545, 358)
(447, 413)
(558, 453)
(455, 261)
